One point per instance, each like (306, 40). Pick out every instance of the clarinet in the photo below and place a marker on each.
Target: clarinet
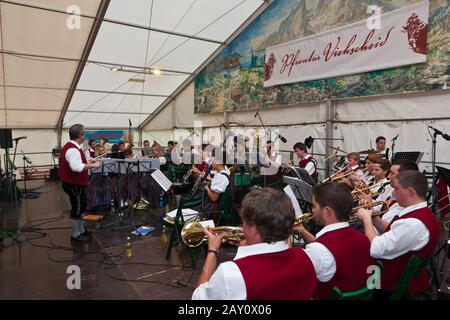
(199, 181)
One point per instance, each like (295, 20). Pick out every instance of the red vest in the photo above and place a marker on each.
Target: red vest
(92, 153)
(66, 174)
(351, 251)
(393, 269)
(285, 275)
(302, 164)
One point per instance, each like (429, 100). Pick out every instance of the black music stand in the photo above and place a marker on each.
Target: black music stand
(303, 175)
(414, 156)
(302, 189)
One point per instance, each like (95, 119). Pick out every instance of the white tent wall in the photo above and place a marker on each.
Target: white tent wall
(37, 146)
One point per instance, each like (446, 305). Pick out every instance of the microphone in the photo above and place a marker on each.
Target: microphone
(225, 126)
(439, 132)
(395, 138)
(19, 138)
(282, 138)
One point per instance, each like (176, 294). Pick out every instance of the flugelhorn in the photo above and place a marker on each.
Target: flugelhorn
(193, 236)
(341, 174)
(355, 192)
(305, 217)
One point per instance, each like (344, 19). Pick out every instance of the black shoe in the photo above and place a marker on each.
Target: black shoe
(81, 238)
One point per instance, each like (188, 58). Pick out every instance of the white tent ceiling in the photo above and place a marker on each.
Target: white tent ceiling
(41, 57)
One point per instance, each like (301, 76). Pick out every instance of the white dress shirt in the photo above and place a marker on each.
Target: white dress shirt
(220, 183)
(404, 235)
(274, 161)
(87, 153)
(310, 167)
(387, 193)
(73, 157)
(322, 258)
(394, 210)
(227, 282)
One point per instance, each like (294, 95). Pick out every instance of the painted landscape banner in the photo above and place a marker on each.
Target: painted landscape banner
(395, 39)
(234, 80)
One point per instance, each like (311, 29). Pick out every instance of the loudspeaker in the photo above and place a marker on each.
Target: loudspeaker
(6, 139)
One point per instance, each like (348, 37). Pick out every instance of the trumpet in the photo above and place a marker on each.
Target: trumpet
(341, 174)
(375, 194)
(305, 217)
(193, 236)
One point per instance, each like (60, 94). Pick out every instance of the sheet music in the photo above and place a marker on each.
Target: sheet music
(291, 195)
(188, 214)
(162, 180)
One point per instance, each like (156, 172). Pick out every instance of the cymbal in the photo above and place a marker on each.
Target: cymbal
(338, 149)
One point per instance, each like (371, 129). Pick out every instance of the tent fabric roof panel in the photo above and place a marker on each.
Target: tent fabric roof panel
(93, 120)
(86, 101)
(35, 99)
(44, 33)
(21, 71)
(87, 7)
(170, 35)
(101, 78)
(31, 118)
(31, 37)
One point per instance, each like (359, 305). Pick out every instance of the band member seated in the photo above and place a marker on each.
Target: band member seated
(216, 186)
(206, 161)
(168, 152)
(121, 146)
(90, 152)
(381, 147)
(381, 182)
(352, 166)
(371, 158)
(264, 268)
(396, 168)
(146, 151)
(307, 162)
(414, 231)
(339, 253)
(273, 160)
(100, 151)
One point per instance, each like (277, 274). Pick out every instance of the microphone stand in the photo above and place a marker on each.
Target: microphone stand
(393, 148)
(434, 190)
(257, 145)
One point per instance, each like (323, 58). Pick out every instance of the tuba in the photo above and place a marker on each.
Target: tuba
(193, 236)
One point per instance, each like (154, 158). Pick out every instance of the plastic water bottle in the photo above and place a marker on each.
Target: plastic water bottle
(128, 250)
(161, 200)
(164, 236)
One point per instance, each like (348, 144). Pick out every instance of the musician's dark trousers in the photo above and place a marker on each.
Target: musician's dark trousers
(77, 197)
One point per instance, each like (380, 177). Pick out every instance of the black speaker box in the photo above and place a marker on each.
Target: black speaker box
(6, 139)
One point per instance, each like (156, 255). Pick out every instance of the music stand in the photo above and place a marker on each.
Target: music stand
(303, 175)
(302, 190)
(414, 156)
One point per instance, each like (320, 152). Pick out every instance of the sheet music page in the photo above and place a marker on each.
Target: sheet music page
(162, 180)
(291, 195)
